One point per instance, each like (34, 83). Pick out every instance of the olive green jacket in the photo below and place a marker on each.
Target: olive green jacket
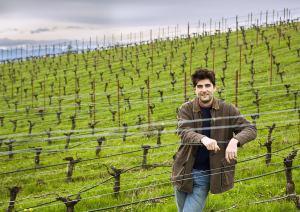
(226, 123)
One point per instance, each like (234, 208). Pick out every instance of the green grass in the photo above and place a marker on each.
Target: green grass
(44, 185)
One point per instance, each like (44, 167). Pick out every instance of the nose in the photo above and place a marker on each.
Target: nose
(203, 89)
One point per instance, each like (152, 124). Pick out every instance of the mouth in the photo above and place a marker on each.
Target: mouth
(204, 96)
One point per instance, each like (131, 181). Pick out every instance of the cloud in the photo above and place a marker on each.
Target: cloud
(40, 30)
(74, 27)
(9, 30)
(6, 42)
(78, 19)
(55, 28)
(118, 13)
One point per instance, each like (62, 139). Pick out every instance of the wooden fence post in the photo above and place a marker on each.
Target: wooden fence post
(148, 102)
(118, 103)
(236, 87)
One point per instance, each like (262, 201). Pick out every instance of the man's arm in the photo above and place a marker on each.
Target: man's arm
(244, 132)
(243, 129)
(188, 133)
(185, 126)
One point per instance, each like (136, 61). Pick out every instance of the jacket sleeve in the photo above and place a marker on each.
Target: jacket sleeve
(243, 129)
(185, 127)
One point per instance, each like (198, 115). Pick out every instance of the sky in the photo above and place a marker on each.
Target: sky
(37, 21)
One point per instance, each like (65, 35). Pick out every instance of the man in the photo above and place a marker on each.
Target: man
(210, 132)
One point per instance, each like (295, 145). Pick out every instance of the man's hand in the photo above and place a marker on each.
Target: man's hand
(231, 150)
(210, 144)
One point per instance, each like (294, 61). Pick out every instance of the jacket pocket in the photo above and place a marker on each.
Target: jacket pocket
(179, 169)
(178, 176)
(227, 172)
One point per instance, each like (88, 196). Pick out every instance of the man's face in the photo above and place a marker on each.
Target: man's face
(205, 90)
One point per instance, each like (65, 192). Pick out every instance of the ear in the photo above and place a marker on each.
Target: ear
(215, 88)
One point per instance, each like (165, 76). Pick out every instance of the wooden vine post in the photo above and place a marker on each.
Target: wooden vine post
(240, 64)
(236, 87)
(185, 87)
(148, 102)
(271, 66)
(118, 104)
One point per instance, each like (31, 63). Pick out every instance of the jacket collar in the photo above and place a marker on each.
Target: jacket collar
(196, 106)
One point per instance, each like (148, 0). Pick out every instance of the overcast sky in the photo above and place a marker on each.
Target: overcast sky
(79, 19)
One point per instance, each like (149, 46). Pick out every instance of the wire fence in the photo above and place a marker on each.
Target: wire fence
(115, 133)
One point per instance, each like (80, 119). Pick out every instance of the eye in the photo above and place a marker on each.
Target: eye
(208, 85)
(199, 86)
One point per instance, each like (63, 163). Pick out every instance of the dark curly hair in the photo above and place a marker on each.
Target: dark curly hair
(201, 74)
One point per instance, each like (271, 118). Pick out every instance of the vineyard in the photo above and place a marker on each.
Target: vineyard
(95, 130)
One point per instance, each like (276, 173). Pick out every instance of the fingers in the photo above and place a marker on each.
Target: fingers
(213, 145)
(210, 144)
(231, 150)
(217, 148)
(227, 157)
(230, 155)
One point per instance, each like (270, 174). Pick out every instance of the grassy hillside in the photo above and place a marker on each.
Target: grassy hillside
(41, 96)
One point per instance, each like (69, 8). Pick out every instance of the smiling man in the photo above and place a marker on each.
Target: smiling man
(210, 132)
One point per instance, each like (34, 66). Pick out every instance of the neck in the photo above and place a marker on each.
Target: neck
(208, 104)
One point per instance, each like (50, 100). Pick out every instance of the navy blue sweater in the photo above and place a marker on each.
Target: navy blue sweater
(202, 157)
